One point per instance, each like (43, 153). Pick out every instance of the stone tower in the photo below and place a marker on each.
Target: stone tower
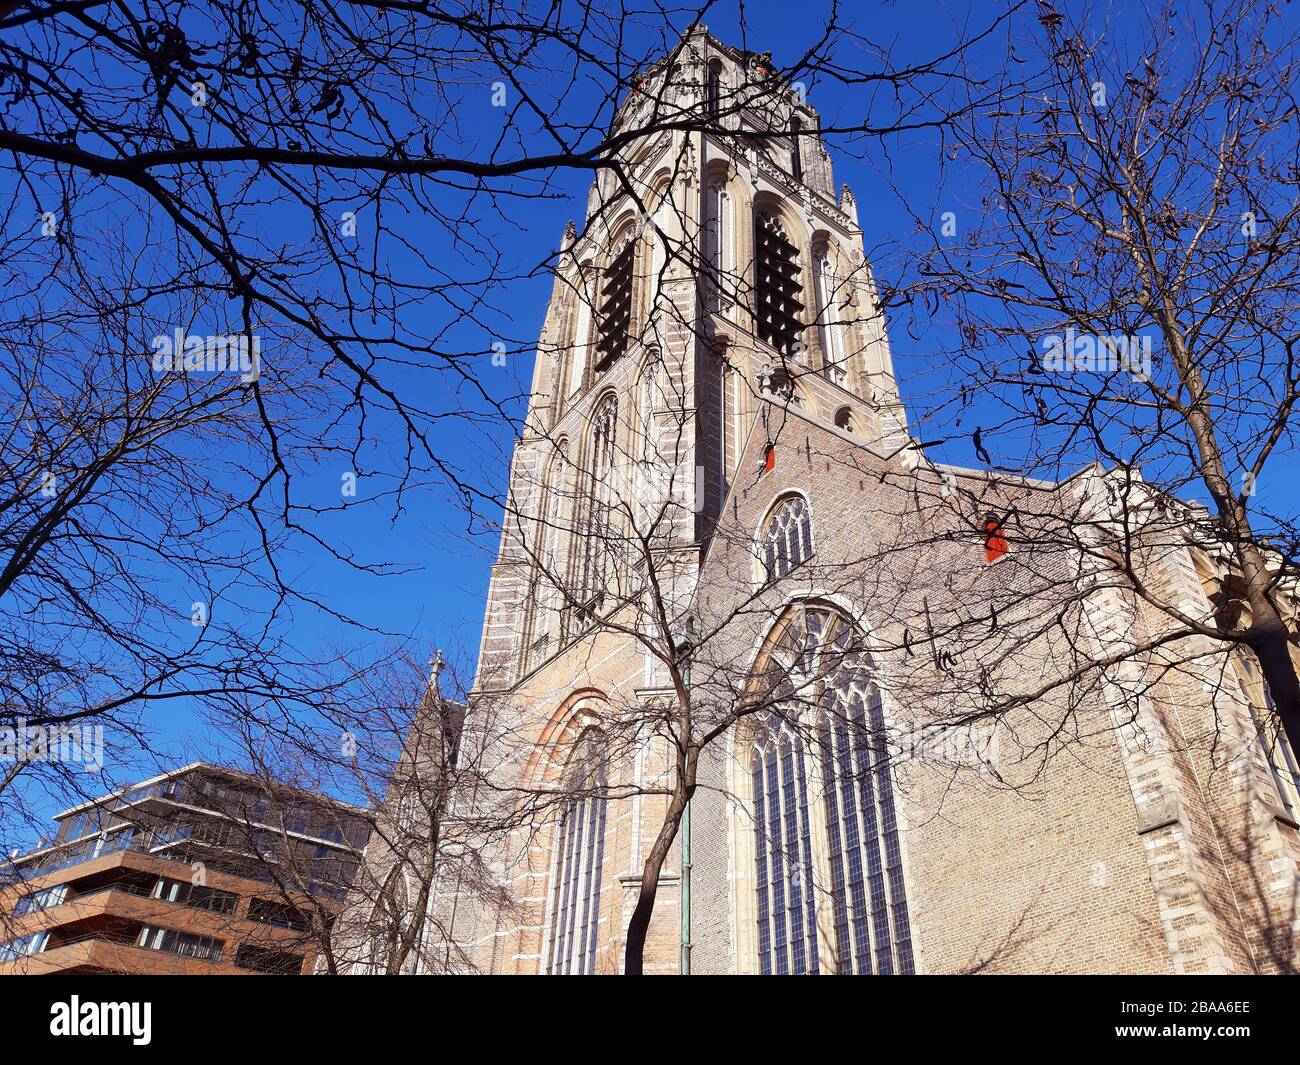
(716, 270)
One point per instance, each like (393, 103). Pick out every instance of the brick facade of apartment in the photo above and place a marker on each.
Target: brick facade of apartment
(199, 871)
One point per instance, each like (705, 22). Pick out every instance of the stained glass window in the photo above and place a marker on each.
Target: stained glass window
(575, 894)
(787, 539)
(831, 724)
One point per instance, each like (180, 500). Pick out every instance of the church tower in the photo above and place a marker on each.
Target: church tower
(718, 280)
(714, 266)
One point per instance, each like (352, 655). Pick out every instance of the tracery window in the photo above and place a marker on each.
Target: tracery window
(787, 919)
(548, 587)
(824, 744)
(778, 305)
(600, 527)
(787, 538)
(580, 853)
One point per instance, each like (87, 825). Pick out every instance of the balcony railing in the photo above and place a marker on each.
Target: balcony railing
(185, 949)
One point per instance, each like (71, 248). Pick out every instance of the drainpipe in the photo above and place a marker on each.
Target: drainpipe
(686, 889)
(684, 645)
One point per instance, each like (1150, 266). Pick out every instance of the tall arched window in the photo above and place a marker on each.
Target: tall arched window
(833, 361)
(615, 314)
(778, 305)
(600, 528)
(713, 88)
(796, 149)
(717, 239)
(548, 587)
(585, 297)
(787, 538)
(661, 219)
(787, 918)
(579, 856)
(824, 744)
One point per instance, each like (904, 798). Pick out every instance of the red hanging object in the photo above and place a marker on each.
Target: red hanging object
(995, 542)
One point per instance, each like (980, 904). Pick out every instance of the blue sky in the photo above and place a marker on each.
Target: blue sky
(437, 600)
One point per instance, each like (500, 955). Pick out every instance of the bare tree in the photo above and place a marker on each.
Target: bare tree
(1124, 290)
(218, 293)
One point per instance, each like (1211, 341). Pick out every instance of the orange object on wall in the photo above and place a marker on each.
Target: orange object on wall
(995, 542)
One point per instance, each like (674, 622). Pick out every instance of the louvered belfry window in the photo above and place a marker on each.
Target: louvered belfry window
(615, 314)
(779, 306)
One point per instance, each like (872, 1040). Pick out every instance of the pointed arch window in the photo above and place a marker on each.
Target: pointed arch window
(548, 587)
(826, 733)
(713, 88)
(787, 917)
(787, 538)
(584, 297)
(829, 329)
(600, 528)
(615, 313)
(660, 228)
(779, 308)
(717, 241)
(796, 152)
(580, 854)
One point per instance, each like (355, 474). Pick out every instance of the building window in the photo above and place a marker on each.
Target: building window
(779, 307)
(195, 895)
(829, 726)
(995, 540)
(833, 361)
(548, 589)
(41, 900)
(600, 528)
(83, 824)
(1280, 757)
(787, 538)
(615, 316)
(580, 850)
(23, 947)
(713, 88)
(787, 919)
(717, 237)
(872, 930)
(182, 944)
(796, 154)
(277, 914)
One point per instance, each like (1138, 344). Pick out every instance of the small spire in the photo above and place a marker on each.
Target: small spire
(848, 204)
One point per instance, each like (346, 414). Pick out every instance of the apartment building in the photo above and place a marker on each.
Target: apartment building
(202, 870)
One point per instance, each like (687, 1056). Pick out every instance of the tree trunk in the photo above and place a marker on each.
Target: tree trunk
(1272, 646)
(639, 925)
(1267, 635)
